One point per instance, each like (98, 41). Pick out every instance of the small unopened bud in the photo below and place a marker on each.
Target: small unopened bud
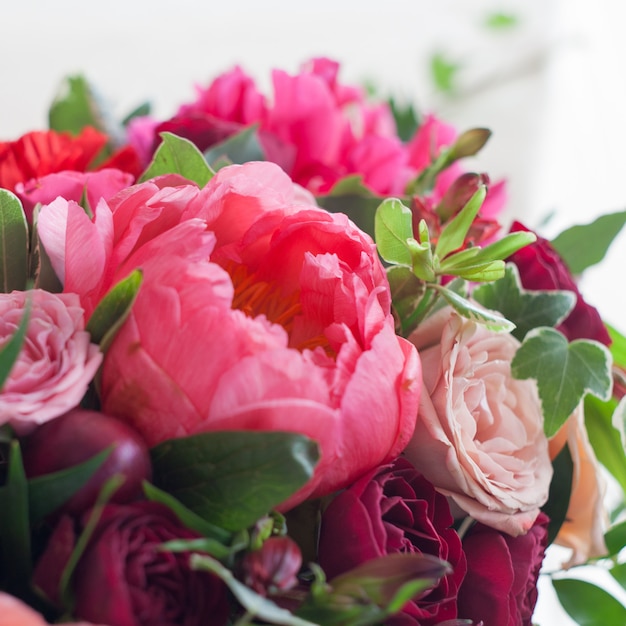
(469, 143)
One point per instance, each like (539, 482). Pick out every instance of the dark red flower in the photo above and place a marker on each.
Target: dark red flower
(394, 510)
(541, 267)
(500, 587)
(125, 579)
(38, 153)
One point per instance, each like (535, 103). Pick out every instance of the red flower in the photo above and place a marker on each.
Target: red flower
(394, 509)
(541, 267)
(125, 579)
(38, 153)
(500, 586)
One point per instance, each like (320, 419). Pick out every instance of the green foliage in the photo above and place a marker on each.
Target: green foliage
(526, 309)
(565, 372)
(393, 228)
(176, 155)
(589, 605)
(406, 118)
(585, 245)
(560, 492)
(231, 479)
(13, 243)
(241, 147)
(443, 72)
(501, 21)
(76, 107)
(10, 351)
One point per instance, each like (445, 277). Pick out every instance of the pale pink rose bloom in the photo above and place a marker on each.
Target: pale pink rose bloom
(14, 612)
(586, 519)
(256, 311)
(56, 363)
(479, 435)
(72, 186)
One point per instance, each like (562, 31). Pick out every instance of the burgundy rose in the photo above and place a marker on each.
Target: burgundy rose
(541, 267)
(500, 587)
(394, 510)
(125, 579)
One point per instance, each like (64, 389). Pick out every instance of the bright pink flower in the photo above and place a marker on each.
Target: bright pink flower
(56, 363)
(72, 185)
(272, 315)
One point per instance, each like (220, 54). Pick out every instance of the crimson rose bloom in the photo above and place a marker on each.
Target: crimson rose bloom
(500, 587)
(124, 579)
(541, 267)
(394, 509)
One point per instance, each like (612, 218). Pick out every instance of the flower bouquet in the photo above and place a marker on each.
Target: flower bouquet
(276, 360)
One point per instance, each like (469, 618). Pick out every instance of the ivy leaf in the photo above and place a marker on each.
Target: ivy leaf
(231, 479)
(393, 226)
(13, 243)
(527, 309)
(588, 604)
(490, 319)
(176, 155)
(241, 147)
(565, 372)
(584, 245)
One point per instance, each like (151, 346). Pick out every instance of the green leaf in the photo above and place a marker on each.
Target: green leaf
(604, 439)
(588, 604)
(140, 111)
(209, 546)
(527, 309)
(615, 538)
(501, 21)
(231, 479)
(10, 351)
(241, 147)
(13, 243)
(176, 155)
(582, 246)
(564, 372)
(187, 517)
(113, 310)
(255, 605)
(453, 235)
(619, 574)
(48, 492)
(490, 319)
(406, 118)
(444, 72)
(617, 347)
(352, 185)
(560, 492)
(393, 226)
(15, 546)
(505, 247)
(76, 107)
(360, 209)
(41, 266)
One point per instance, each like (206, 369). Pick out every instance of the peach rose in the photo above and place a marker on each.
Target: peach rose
(14, 612)
(479, 435)
(586, 519)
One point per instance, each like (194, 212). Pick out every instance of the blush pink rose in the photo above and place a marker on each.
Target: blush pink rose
(56, 363)
(587, 518)
(479, 435)
(273, 314)
(72, 186)
(14, 612)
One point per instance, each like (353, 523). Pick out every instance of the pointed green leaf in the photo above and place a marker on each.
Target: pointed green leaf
(241, 147)
(526, 309)
(360, 209)
(406, 118)
(615, 538)
(41, 267)
(393, 225)
(619, 574)
(231, 479)
(48, 492)
(75, 107)
(444, 72)
(113, 309)
(560, 492)
(480, 272)
(13, 243)
(582, 246)
(15, 545)
(140, 111)
(254, 604)
(176, 155)
(505, 247)
(10, 351)
(490, 319)
(565, 372)
(588, 604)
(453, 235)
(617, 347)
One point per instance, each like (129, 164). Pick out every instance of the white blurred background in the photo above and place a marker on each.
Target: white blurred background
(551, 86)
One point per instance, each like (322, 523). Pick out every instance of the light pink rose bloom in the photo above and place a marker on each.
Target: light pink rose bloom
(72, 186)
(479, 435)
(56, 363)
(14, 612)
(587, 518)
(257, 311)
